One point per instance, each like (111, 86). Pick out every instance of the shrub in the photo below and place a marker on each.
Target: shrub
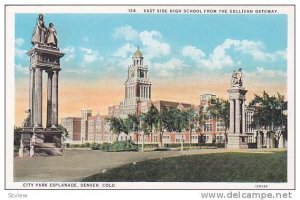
(105, 146)
(123, 146)
(95, 146)
(74, 145)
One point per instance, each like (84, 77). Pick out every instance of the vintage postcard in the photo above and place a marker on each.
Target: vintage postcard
(150, 97)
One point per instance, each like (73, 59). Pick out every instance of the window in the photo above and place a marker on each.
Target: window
(207, 127)
(220, 126)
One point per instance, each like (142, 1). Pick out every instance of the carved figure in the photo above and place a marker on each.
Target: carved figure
(51, 35)
(39, 33)
(237, 78)
(27, 120)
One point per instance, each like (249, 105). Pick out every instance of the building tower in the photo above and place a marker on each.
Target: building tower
(44, 57)
(137, 85)
(237, 137)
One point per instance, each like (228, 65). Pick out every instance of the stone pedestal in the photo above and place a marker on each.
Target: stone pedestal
(35, 140)
(281, 142)
(236, 141)
(237, 137)
(258, 140)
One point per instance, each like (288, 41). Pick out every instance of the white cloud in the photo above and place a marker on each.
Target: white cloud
(69, 53)
(21, 70)
(126, 32)
(220, 58)
(90, 55)
(20, 52)
(216, 60)
(269, 73)
(256, 50)
(169, 68)
(124, 50)
(165, 73)
(124, 62)
(19, 42)
(75, 71)
(193, 53)
(154, 46)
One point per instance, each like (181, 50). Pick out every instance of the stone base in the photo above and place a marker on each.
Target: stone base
(237, 141)
(41, 142)
(48, 152)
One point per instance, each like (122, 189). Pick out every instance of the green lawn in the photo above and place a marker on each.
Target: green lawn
(219, 167)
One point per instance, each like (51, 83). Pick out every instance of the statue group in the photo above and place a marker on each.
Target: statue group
(237, 78)
(44, 35)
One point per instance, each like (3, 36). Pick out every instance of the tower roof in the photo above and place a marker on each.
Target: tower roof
(138, 53)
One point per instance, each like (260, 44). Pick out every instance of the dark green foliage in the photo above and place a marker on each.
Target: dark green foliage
(17, 136)
(218, 167)
(105, 146)
(123, 146)
(268, 111)
(95, 146)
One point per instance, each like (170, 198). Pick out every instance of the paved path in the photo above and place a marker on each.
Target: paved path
(76, 164)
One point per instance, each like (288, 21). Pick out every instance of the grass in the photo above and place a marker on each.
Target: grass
(218, 167)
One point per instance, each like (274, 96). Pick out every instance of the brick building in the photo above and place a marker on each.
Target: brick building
(73, 126)
(137, 100)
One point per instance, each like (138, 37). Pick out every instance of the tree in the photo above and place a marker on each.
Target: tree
(200, 119)
(65, 132)
(151, 118)
(190, 119)
(133, 123)
(219, 109)
(179, 122)
(269, 112)
(144, 128)
(126, 125)
(116, 125)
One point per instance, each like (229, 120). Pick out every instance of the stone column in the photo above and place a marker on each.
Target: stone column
(265, 139)
(55, 99)
(142, 91)
(38, 97)
(237, 116)
(258, 141)
(231, 127)
(243, 118)
(31, 96)
(280, 142)
(49, 99)
(268, 140)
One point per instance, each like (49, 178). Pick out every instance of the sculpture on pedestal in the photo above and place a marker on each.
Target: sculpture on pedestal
(237, 137)
(44, 56)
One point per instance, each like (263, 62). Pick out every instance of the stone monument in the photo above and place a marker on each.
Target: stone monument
(237, 137)
(44, 56)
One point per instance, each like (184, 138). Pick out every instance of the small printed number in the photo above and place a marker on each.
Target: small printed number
(131, 10)
(261, 186)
